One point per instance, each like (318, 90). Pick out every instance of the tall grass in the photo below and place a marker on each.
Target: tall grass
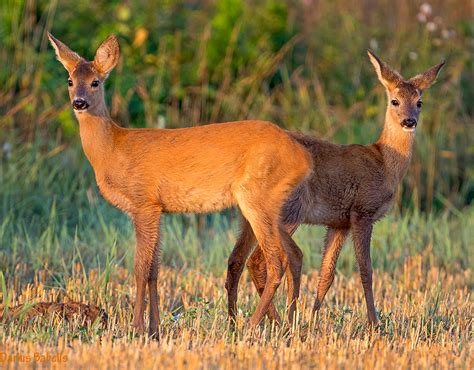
(300, 64)
(53, 217)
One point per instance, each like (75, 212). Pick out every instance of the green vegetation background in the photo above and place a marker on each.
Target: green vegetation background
(301, 64)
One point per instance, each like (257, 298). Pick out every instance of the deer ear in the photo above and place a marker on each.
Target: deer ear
(107, 55)
(387, 76)
(66, 56)
(426, 79)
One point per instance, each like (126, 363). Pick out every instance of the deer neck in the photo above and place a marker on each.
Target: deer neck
(396, 147)
(97, 135)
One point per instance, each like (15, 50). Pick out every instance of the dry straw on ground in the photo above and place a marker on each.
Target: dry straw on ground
(426, 321)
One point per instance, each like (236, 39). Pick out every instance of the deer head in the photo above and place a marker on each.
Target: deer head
(86, 79)
(404, 96)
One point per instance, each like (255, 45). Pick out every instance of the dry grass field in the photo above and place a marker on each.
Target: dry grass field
(426, 321)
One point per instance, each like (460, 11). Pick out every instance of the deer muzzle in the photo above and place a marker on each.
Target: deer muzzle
(409, 123)
(80, 104)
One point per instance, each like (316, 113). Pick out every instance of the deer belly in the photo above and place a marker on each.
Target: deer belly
(325, 214)
(381, 211)
(196, 200)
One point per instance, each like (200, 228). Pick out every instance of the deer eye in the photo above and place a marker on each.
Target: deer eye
(69, 82)
(419, 104)
(395, 102)
(95, 83)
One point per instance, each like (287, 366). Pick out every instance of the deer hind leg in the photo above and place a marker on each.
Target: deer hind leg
(265, 225)
(236, 265)
(153, 293)
(258, 273)
(335, 239)
(279, 252)
(146, 267)
(361, 234)
(295, 264)
(261, 196)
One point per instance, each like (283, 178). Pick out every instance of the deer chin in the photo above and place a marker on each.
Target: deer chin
(409, 129)
(79, 111)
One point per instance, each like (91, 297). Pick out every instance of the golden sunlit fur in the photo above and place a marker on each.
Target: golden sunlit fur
(146, 172)
(351, 187)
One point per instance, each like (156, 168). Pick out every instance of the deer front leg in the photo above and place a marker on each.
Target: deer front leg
(334, 241)
(146, 268)
(361, 234)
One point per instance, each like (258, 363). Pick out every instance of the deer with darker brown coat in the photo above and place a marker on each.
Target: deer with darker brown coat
(148, 172)
(351, 187)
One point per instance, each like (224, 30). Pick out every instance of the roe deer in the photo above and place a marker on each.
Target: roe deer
(351, 187)
(147, 172)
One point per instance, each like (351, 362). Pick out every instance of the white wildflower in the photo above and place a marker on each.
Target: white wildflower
(431, 26)
(161, 122)
(421, 17)
(7, 149)
(374, 45)
(445, 34)
(426, 8)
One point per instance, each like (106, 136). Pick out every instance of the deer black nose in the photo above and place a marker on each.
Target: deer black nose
(80, 104)
(409, 122)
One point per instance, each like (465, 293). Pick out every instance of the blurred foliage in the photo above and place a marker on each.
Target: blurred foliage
(299, 63)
